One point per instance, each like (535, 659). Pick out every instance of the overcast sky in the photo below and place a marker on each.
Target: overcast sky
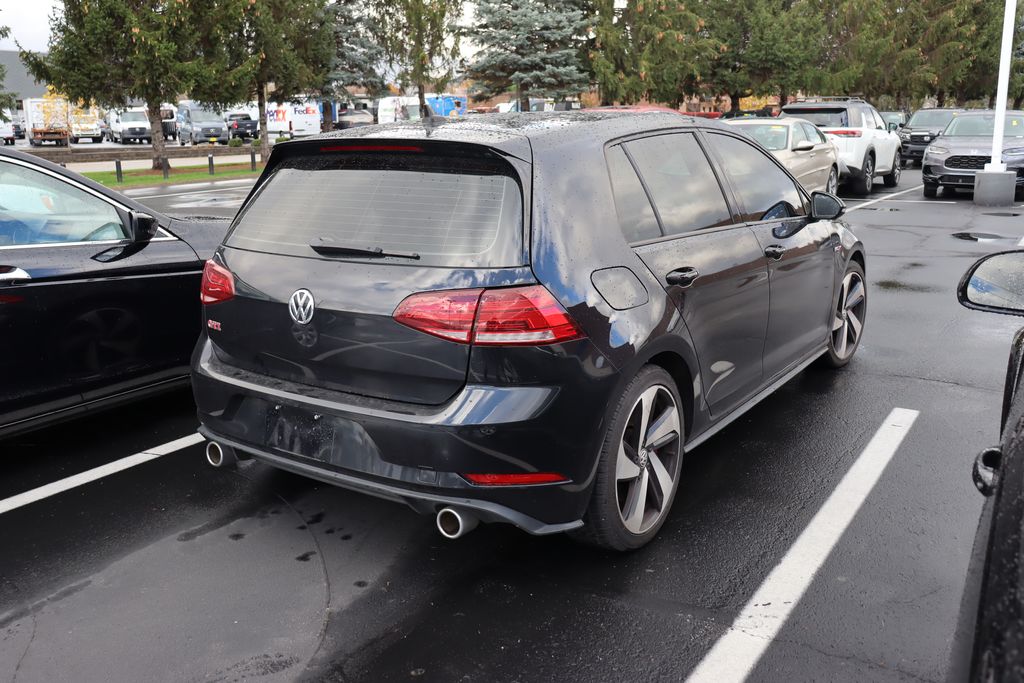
(29, 21)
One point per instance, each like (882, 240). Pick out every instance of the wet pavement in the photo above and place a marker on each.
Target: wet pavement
(171, 570)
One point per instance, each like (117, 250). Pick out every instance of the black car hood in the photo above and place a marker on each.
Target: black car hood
(203, 233)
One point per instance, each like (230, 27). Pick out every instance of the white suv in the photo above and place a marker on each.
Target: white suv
(867, 146)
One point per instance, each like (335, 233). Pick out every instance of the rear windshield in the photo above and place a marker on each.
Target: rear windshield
(773, 136)
(823, 117)
(449, 212)
(931, 119)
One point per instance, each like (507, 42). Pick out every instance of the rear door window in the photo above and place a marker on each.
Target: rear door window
(681, 182)
(449, 212)
(825, 117)
(636, 216)
(766, 191)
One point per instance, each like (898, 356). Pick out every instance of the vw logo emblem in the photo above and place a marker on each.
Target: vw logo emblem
(301, 306)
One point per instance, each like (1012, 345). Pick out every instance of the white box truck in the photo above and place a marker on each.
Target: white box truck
(47, 119)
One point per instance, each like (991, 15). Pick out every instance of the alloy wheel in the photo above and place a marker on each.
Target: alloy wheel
(648, 460)
(869, 173)
(848, 322)
(897, 169)
(833, 182)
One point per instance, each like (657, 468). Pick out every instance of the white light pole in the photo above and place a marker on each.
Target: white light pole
(1005, 60)
(995, 186)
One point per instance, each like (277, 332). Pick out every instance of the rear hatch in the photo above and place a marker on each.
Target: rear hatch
(444, 217)
(833, 121)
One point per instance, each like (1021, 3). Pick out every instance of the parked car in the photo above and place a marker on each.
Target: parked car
(965, 146)
(987, 644)
(85, 124)
(353, 118)
(197, 124)
(7, 126)
(19, 128)
(801, 148)
(129, 126)
(867, 146)
(98, 294)
(241, 125)
(169, 121)
(924, 126)
(549, 342)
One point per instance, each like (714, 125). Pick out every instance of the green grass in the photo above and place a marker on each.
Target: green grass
(185, 174)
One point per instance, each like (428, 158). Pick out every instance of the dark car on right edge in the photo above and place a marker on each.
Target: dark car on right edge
(965, 146)
(988, 646)
(525, 318)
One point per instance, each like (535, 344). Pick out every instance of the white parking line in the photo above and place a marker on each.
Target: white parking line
(738, 651)
(882, 199)
(233, 186)
(71, 482)
(1021, 243)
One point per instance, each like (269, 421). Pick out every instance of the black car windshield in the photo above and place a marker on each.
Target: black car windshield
(773, 136)
(134, 117)
(984, 125)
(823, 117)
(464, 218)
(931, 119)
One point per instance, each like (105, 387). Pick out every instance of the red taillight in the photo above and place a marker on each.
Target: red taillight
(218, 284)
(845, 133)
(515, 479)
(517, 316)
(234, 124)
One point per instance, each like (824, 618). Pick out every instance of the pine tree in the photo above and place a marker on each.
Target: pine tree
(529, 46)
(420, 39)
(357, 59)
(256, 43)
(114, 52)
(648, 49)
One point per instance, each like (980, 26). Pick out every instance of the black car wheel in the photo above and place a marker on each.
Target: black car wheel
(639, 464)
(848, 317)
(931, 190)
(892, 178)
(865, 183)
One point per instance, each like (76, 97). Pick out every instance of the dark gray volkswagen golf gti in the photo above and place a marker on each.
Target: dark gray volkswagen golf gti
(525, 318)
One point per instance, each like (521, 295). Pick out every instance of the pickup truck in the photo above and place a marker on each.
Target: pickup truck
(242, 126)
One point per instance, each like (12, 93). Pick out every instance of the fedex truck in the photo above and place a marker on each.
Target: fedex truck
(293, 119)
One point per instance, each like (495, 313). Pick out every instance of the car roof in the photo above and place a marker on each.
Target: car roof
(517, 133)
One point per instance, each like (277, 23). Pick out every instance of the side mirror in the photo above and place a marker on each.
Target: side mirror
(995, 283)
(143, 226)
(826, 207)
(893, 126)
(803, 146)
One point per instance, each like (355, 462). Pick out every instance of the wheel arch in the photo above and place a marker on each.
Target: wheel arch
(858, 256)
(674, 364)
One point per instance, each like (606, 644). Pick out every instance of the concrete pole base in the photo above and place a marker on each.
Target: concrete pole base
(995, 188)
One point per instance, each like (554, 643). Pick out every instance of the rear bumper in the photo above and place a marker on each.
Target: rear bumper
(409, 453)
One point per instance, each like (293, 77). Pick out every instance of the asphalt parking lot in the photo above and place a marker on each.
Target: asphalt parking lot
(170, 570)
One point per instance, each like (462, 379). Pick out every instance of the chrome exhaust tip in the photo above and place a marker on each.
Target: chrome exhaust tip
(454, 523)
(220, 456)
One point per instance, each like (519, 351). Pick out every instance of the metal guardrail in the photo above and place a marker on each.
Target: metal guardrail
(68, 155)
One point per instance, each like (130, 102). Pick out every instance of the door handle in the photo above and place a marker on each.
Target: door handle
(13, 274)
(682, 277)
(774, 251)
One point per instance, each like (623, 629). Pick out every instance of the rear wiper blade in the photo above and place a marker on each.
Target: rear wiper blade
(327, 248)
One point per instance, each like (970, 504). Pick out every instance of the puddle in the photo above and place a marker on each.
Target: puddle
(897, 286)
(978, 236)
(1002, 214)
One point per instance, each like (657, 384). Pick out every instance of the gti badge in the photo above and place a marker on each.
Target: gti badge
(301, 306)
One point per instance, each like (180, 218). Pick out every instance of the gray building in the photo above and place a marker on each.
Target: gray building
(18, 80)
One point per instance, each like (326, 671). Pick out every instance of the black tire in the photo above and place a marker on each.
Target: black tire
(604, 523)
(931, 190)
(74, 141)
(97, 141)
(864, 183)
(839, 355)
(892, 178)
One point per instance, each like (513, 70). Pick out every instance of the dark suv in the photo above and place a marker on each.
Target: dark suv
(524, 318)
(923, 127)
